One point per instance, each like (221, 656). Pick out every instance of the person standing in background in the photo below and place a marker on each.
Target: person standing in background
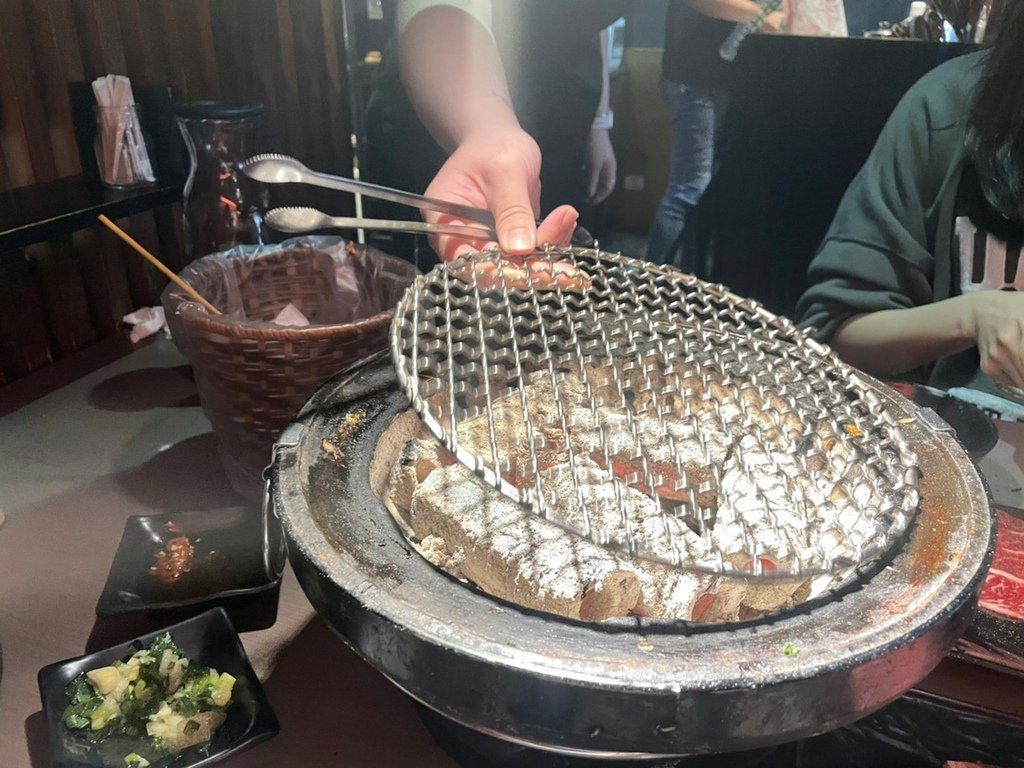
(694, 79)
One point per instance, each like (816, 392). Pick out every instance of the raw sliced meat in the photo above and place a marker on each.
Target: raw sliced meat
(1003, 591)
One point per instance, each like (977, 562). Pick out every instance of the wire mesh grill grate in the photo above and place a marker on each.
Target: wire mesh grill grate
(655, 414)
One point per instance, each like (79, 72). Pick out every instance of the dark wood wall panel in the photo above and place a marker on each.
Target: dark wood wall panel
(105, 286)
(5, 178)
(165, 41)
(144, 282)
(168, 231)
(15, 128)
(338, 122)
(24, 346)
(100, 36)
(58, 277)
(310, 72)
(287, 54)
(55, 68)
(14, 37)
(65, 32)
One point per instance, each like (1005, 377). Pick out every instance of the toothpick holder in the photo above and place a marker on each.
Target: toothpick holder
(122, 148)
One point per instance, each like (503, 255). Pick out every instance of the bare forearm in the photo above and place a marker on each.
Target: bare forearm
(728, 10)
(605, 103)
(454, 75)
(899, 340)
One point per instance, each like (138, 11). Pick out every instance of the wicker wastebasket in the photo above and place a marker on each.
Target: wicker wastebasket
(253, 374)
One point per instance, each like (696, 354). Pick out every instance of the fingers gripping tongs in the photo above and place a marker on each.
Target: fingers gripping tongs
(281, 169)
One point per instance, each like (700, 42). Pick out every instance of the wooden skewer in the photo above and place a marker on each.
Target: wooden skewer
(159, 265)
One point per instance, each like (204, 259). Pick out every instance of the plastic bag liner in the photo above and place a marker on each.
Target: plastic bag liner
(252, 374)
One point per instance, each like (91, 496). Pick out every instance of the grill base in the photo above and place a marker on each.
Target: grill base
(473, 749)
(892, 737)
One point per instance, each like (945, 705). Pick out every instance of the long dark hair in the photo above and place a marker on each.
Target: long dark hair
(995, 135)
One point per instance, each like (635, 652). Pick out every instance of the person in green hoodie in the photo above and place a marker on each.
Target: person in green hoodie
(922, 269)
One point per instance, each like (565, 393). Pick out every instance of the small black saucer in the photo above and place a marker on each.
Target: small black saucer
(207, 639)
(973, 428)
(227, 568)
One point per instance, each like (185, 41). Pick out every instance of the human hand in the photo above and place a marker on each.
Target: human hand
(774, 22)
(499, 170)
(601, 166)
(997, 322)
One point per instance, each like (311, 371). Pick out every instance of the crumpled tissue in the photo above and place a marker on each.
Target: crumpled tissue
(145, 322)
(291, 316)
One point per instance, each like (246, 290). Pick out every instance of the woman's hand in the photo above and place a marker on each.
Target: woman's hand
(997, 322)
(499, 170)
(601, 166)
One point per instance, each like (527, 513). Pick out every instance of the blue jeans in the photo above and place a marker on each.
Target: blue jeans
(691, 163)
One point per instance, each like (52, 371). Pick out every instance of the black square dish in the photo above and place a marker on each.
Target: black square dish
(976, 431)
(207, 639)
(226, 568)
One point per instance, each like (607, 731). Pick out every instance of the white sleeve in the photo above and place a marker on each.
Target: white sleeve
(478, 9)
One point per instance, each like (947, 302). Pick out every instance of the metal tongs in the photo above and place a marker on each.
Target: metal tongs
(281, 169)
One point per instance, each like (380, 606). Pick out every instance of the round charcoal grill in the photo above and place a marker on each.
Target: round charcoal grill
(629, 687)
